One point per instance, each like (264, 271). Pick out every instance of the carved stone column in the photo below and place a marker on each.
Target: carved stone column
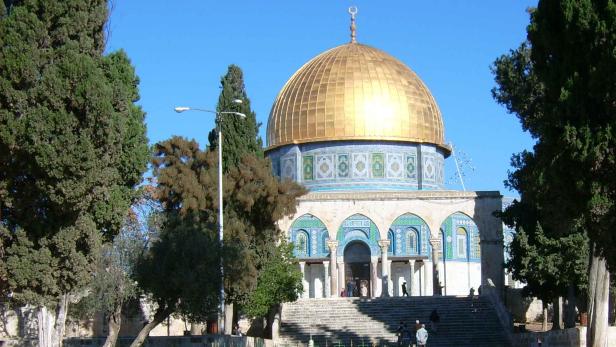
(341, 284)
(390, 283)
(326, 281)
(384, 244)
(373, 276)
(305, 285)
(333, 246)
(411, 285)
(436, 281)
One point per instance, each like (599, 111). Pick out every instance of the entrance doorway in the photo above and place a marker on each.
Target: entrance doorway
(357, 269)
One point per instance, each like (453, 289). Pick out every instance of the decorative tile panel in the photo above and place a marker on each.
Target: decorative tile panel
(395, 167)
(343, 165)
(360, 165)
(378, 165)
(325, 166)
(288, 168)
(429, 167)
(308, 167)
(411, 166)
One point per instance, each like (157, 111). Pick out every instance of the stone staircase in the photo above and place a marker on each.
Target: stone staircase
(334, 321)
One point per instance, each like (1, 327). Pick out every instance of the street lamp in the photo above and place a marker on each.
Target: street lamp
(180, 109)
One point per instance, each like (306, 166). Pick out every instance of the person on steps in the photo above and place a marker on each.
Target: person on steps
(399, 333)
(404, 292)
(435, 319)
(422, 336)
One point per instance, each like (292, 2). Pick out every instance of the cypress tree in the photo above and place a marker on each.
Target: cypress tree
(72, 148)
(561, 84)
(240, 135)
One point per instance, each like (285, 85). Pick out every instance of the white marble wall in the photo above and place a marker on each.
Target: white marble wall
(460, 277)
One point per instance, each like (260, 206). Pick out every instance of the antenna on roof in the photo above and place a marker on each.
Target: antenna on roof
(353, 12)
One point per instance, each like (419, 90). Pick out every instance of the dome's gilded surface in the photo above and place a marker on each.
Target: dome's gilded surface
(354, 92)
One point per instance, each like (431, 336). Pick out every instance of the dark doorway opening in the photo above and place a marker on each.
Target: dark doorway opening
(357, 269)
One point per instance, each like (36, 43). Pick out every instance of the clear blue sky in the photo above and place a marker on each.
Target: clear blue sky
(181, 49)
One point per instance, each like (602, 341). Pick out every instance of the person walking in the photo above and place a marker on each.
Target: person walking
(435, 319)
(404, 292)
(399, 333)
(422, 336)
(350, 287)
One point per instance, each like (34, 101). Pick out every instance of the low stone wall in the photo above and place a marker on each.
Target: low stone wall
(574, 337)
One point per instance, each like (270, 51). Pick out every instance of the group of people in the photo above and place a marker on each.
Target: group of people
(353, 290)
(405, 336)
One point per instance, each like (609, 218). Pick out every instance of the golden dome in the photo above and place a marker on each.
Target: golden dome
(355, 92)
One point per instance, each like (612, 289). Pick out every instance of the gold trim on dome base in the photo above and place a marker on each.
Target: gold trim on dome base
(355, 92)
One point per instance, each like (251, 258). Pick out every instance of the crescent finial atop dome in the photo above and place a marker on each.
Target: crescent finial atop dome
(353, 12)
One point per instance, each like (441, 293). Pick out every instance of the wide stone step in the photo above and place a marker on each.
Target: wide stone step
(464, 322)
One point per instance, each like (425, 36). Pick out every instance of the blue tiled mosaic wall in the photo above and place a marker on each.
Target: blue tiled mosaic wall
(361, 165)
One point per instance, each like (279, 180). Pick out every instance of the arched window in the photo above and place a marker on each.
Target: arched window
(390, 237)
(301, 243)
(461, 243)
(412, 244)
(324, 245)
(475, 248)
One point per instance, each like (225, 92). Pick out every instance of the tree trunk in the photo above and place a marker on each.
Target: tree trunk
(45, 326)
(228, 319)
(115, 322)
(62, 310)
(196, 329)
(544, 322)
(159, 316)
(598, 294)
(570, 307)
(557, 316)
(612, 307)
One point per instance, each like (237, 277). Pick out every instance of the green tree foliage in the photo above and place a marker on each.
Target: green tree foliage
(255, 201)
(240, 135)
(112, 287)
(72, 145)
(181, 271)
(549, 265)
(562, 86)
(279, 281)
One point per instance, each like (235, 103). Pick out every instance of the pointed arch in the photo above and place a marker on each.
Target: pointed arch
(411, 235)
(358, 227)
(461, 236)
(307, 235)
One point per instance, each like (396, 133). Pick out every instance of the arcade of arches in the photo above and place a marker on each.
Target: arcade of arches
(379, 244)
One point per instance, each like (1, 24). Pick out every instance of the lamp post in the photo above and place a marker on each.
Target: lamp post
(180, 109)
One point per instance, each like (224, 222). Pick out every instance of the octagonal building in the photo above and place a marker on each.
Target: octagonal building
(364, 134)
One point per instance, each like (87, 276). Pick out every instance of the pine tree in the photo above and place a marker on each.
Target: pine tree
(72, 148)
(240, 136)
(181, 271)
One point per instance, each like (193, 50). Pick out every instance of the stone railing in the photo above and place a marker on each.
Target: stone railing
(504, 317)
(179, 341)
(573, 337)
